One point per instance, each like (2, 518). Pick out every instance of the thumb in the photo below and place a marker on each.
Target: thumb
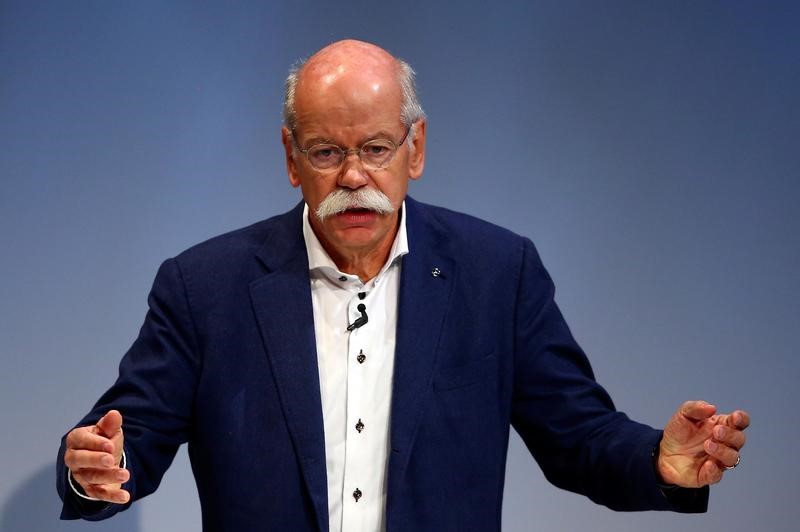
(110, 424)
(697, 410)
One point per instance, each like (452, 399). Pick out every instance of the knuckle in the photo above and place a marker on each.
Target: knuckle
(89, 476)
(73, 437)
(76, 458)
(97, 477)
(93, 491)
(729, 457)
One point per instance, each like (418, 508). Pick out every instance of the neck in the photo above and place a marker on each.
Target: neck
(365, 265)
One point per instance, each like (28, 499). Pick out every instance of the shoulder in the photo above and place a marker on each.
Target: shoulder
(464, 233)
(236, 248)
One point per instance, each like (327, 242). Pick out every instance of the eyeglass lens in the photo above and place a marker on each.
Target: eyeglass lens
(374, 154)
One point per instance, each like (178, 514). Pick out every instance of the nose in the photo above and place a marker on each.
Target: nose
(352, 174)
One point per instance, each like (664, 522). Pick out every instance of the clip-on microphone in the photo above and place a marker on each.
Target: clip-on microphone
(360, 321)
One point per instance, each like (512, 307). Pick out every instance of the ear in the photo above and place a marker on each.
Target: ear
(416, 161)
(291, 164)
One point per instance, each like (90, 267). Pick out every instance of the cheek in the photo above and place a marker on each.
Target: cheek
(315, 189)
(394, 185)
(396, 190)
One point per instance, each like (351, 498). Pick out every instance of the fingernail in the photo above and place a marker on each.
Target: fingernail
(712, 446)
(109, 448)
(122, 475)
(719, 432)
(107, 461)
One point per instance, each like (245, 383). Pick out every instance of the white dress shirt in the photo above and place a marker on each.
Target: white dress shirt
(355, 380)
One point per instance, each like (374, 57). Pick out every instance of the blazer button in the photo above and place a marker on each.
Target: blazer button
(359, 426)
(357, 494)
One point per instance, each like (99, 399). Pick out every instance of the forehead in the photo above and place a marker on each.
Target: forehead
(348, 93)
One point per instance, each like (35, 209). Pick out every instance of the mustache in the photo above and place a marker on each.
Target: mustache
(343, 199)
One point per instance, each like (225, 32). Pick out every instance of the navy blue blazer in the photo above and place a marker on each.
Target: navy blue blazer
(226, 361)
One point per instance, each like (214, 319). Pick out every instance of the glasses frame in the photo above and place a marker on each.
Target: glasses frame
(347, 151)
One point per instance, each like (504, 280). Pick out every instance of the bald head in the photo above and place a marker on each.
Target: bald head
(351, 71)
(349, 57)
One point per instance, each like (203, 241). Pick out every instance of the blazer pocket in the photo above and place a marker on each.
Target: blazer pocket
(461, 376)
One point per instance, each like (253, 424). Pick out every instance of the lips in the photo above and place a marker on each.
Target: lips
(357, 216)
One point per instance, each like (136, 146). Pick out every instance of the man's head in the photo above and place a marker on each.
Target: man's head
(360, 103)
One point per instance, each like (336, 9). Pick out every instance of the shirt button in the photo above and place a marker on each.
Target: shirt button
(361, 356)
(342, 278)
(359, 426)
(357, 494)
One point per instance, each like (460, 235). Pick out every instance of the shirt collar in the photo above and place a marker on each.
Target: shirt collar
(319, 260)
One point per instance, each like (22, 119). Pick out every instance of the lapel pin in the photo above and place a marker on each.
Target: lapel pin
(436, 272)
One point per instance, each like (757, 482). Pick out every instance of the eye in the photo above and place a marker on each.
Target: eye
(324, 156)
(322, 152)
(376, 149)
(377, 153)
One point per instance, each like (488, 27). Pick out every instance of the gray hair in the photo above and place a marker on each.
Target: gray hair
(410, 112)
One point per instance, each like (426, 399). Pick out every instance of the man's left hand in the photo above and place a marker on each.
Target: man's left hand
(699, 445)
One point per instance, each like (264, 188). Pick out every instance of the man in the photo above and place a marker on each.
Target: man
(355, 364)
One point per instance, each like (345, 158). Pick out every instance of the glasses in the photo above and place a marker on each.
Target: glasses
(374, 154)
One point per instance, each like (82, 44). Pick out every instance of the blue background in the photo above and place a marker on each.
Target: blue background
(648, 148)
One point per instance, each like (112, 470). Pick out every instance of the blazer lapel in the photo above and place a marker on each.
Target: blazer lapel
(282, 305)
(426, 283)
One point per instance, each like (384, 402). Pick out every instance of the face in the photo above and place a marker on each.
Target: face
(348, 111)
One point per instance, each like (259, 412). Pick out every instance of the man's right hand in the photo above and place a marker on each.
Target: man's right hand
(93, 456)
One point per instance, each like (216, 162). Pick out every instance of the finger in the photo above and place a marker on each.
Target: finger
(108, 493)
(726, 456)
(697, 410)
(90, 476)
(80, 459)
(710, 473)
(110, 424)
(731, 437)
(84, 438)
(738, 419)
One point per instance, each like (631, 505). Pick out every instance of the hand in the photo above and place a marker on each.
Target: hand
(698, 446)
(93, 456)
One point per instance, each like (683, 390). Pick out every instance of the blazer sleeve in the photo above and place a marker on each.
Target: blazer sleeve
(568, 421)
(154, 392)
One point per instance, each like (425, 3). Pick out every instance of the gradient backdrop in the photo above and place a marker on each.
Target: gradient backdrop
(650, 149)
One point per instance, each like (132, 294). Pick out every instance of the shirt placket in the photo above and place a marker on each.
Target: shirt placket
(356, 494)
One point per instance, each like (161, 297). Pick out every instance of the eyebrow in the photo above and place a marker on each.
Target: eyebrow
(319, 140)
(382, 134)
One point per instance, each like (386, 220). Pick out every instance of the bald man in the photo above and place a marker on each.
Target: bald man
(334, 368)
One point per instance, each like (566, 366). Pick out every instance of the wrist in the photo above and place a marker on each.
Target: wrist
(662, 478)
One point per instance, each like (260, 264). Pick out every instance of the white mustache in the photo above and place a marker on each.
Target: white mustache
(363, 198)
